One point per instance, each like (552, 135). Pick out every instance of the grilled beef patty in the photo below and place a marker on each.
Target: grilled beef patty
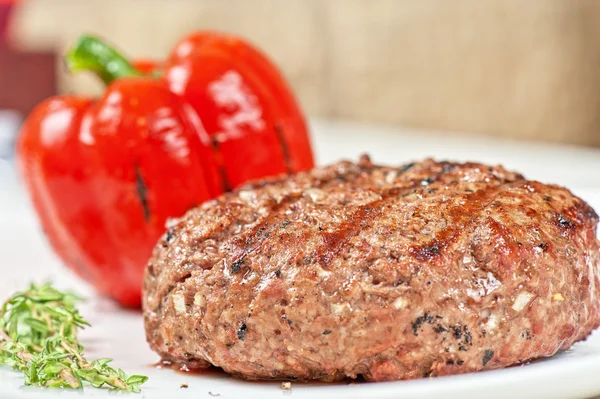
(427, 269)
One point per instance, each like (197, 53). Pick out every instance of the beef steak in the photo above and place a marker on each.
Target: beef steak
(427, 269)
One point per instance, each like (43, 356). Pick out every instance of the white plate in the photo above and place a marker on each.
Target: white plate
(119, 334)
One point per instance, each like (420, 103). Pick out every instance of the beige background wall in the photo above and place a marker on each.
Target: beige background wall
(526, 69)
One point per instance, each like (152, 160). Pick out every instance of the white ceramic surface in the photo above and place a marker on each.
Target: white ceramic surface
(119, 334)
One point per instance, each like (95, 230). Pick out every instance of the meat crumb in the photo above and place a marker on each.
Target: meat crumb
(183, 386)
(286, 386)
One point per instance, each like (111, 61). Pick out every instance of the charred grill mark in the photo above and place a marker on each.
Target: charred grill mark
(248, 242)
(333, 242)
(218, 157)
(284, 149)
(477, 203)
(142, 192)
(225, 185)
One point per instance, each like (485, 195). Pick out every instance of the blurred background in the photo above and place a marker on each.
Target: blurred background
(526, 70)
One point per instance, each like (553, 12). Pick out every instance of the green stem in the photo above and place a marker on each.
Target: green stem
(92, 54)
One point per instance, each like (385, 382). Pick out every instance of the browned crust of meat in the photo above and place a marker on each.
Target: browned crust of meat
(427, 269)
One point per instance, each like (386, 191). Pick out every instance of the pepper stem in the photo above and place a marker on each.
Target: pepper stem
(92, 54)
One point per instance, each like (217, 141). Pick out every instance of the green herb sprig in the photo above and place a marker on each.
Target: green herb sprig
(38, 336)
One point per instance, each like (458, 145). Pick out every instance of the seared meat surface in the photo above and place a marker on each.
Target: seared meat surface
(427, 269)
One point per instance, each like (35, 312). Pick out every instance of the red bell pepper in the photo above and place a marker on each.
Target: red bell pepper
(105, 175)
